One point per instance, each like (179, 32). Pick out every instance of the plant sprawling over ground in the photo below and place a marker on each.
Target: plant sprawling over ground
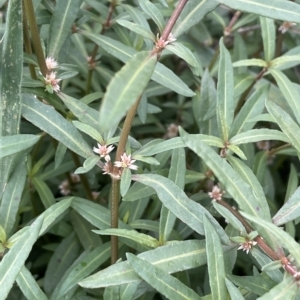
(149, 149)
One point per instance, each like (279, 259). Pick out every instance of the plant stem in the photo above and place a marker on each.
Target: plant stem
(243, 97)
(123, 140)
(27, 43)
(275, 150)
(173, 19)
(96, 47)
(35, 36)
(115, 189)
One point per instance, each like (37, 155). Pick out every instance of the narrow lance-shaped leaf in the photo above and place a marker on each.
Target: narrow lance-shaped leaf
(286, 123)
(176, 174)
(125, 88)
(61, 25)
(225, 88)
(281, 236)
(215, 261)
(47, 119)
(10, 84)
(237, 188)
(171, 258)
(289, 211)
(164, 283)
(179, 204)
(13, 261)
(161, 74)
(268, 32)
(193, 12)
(287, 289)
(289, 91)
(137, 29)
(12, 144)
(155, 14)
(29, 286)
(275, 9)
(11, 198)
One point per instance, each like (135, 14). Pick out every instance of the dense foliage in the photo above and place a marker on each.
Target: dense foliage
(149, 149)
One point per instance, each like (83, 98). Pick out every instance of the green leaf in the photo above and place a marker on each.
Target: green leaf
(125, 181)
(177, 175)
(276, 9)
(287, 289)
(232, 220)
(99, 216)
(186, 54)
(138, 29)
(29, 286)
(10, 83)
(256, 135)
(88, 164)
(234, 292)
(82, 111)
(89, 131)
(263, 260)
(255, 284)
(158, 146)
(250, 62)
(253, 107)
(14, 260)
(59, 154)
(82, 268)
(286, 123)
(155, 14)
(61, 260)
(215, 261)
(112, 293)
(235, 186)
(268, 32)
(289, 91)
(84, 232)
(235, 149)
(12, 144)
(225, 101)
(123, 91)
(248, 176)
(12, 197)
(164, 283)
(47, 119)
(283, 238)
(161, 74)
(193, 12)
(171, 258)
(44, 192)
(53, 213)
(141, 238)
(284, 62)
(61, 24)
(179, 204)
(289, 211)
(138, 191)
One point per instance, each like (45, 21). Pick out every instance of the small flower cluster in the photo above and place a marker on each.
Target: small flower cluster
(125, 162)
(285, 26)
(65, 188)
(50, 80)
(216, 193)
(161, 43)
(247, 246)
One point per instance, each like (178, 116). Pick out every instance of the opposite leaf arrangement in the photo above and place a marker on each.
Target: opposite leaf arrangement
(93, 97)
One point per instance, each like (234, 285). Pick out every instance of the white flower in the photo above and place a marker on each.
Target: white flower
(64, 188)
(216, 193)
(51, 79)
(247, 246)
(285, 26)
(51, 63)
(107, 168)
(104, 151)
(126, 162)
(161, 43)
